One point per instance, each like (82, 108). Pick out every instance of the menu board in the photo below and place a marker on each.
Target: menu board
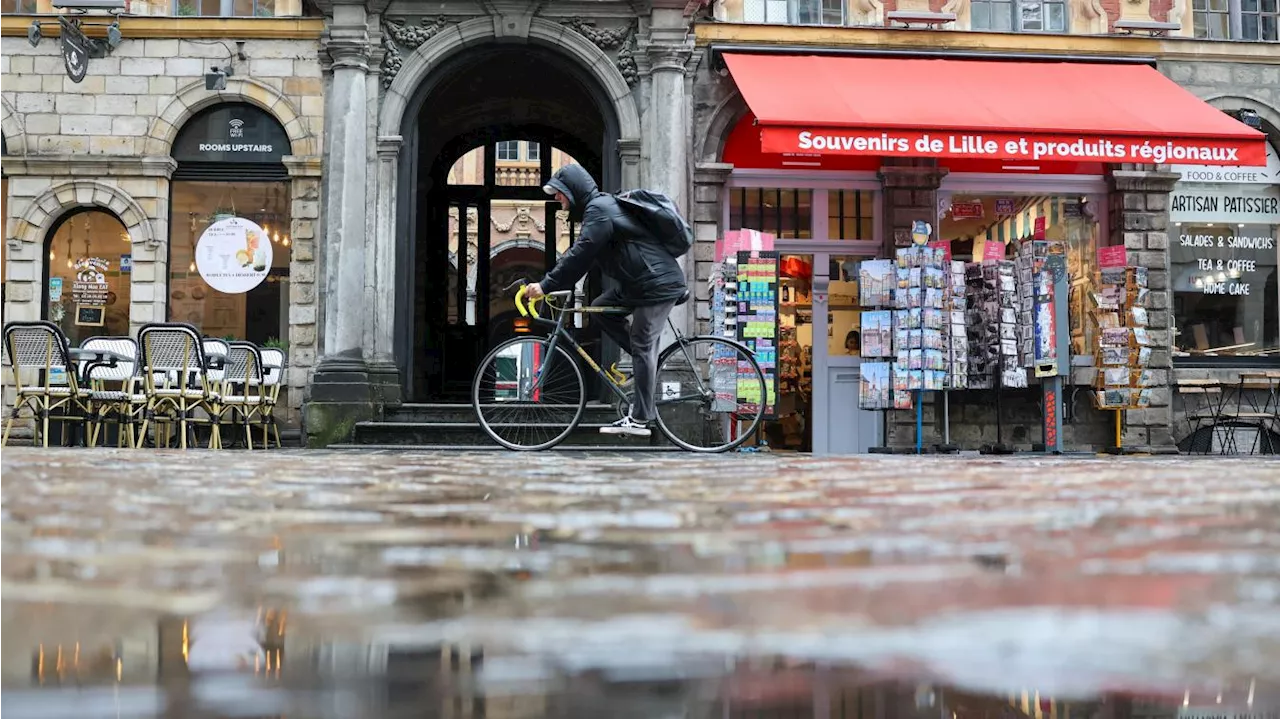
(757, 321)
(90, 291)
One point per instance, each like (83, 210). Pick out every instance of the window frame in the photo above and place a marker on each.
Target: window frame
(1015, 17)
(1235, 22)
(532, 151)
(226, 8)
(501, 145)
(18, 9)
(790, 14)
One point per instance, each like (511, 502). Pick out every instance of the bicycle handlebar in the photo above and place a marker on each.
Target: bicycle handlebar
(524, 310)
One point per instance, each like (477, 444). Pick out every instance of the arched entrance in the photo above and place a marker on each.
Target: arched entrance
(517, 112)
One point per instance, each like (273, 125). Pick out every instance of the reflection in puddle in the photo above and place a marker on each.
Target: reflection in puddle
(421, 585)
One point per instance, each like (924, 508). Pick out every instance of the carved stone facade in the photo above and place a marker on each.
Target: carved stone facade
(106, 144)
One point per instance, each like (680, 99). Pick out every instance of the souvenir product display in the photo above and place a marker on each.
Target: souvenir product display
(916, 333)
(955, 337)
(757, 322)
(993, 325)
(1037, 313)
(1124, 342)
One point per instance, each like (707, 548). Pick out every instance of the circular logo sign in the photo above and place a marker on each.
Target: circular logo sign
(233, 255)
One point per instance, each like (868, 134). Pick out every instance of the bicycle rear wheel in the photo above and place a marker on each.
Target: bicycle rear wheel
(711, 394)
(527, 398)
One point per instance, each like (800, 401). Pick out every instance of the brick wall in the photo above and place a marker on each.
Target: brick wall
(105, 143)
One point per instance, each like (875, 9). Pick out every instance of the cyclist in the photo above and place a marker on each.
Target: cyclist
(649, 282)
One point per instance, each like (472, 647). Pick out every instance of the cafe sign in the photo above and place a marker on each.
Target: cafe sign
(1240, 175)
(233, 255)
(232, 132)
(1225, 203)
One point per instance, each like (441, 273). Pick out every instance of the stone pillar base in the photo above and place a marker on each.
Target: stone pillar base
(344, 390)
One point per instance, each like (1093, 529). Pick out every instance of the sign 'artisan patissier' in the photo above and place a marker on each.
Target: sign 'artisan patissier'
(986, 110)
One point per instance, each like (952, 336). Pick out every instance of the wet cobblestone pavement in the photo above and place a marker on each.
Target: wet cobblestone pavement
(421, 584)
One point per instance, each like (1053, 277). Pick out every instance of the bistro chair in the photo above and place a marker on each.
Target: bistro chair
(41, 349)
(175, 375)
(273, 367)
(241, 393)
(116, 391)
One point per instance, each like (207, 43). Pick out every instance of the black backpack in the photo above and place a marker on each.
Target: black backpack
(658, 214)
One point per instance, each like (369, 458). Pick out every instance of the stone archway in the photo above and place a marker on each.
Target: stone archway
(1238, 100)
(33, 225)
(427, 57)
(193, 98)
(15, 135)
(555, 90)
(720, 124)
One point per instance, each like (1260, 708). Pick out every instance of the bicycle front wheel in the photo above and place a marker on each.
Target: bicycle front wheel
(527, 396)
(711, 394)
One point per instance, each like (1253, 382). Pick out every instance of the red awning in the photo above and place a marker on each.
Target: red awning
(1041, 111)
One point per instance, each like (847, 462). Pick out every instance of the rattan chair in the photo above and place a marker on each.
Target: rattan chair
(241, 392)
(273, 367)
(116, 392)
(41, 349)
(175, 375)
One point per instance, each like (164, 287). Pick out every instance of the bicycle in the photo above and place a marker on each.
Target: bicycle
(532, 385)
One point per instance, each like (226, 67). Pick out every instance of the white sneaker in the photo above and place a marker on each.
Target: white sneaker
(628, 427)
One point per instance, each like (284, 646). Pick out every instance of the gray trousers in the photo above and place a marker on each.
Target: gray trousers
(639, 338)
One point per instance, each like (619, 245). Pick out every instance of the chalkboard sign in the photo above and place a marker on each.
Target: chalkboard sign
(90, 315)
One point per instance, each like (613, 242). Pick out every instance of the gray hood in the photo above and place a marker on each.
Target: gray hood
(576, 184)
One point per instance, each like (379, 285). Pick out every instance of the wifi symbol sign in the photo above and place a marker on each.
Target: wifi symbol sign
(236, 128)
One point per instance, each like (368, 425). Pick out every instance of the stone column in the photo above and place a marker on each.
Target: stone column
(340, 389)
(384, 372)
(667, 52)
(910, 194)
(1139, 219)
(706, 215)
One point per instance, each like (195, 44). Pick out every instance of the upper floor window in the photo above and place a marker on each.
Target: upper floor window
(508, 150)
(224, 8)
(18, 7)
(517, 150)
(794, 12)
(1236, 19)
(1019, 15)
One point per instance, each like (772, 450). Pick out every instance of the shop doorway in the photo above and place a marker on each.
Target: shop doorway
(493, 124)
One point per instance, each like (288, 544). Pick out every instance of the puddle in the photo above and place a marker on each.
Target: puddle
(326, 584)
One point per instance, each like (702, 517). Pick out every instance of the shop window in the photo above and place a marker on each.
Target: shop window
(1018, 15)
(259, 315)
(978, 226)
(18, 7)
(1236, 19)
(87, 287)
(224, 8)
(844, 337)
(1225, 290)
(1223, 255)
(787, 214)
(850, 214)
(230, 166)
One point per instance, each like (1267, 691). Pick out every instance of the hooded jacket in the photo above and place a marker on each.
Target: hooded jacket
(611, 238)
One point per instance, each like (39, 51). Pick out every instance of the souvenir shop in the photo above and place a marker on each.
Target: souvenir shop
(914, 262)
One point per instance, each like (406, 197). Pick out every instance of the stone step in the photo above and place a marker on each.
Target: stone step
(598, 449)
(454, 412)
(470, 434)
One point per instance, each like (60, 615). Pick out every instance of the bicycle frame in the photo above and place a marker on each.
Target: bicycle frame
(559, 333)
